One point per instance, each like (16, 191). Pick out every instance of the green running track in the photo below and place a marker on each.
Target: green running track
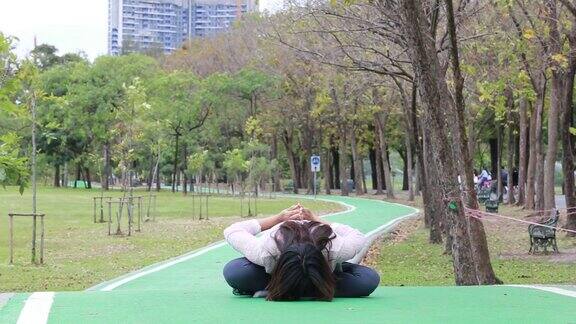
(190, 289)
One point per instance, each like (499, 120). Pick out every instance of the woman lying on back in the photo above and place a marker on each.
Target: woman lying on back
(301, 256)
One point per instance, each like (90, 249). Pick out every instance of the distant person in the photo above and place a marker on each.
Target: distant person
(302, 256)
(483, 178)
(515, 177)
(504, 177)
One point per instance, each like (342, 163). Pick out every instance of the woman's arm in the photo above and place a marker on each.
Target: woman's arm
(242, 235)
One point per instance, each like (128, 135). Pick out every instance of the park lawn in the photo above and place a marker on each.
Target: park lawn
(79, 253)
(405, 258)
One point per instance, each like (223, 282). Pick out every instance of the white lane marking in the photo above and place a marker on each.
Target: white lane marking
(37, 308)
(555, 290)
(390, 223)
(161, 266)
(374, 234)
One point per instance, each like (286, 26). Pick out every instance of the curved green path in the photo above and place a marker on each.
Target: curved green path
(190, 289)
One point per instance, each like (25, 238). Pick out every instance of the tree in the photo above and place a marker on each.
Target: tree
(182, 106)
(13, 166)
(235, 165)
(44, 56)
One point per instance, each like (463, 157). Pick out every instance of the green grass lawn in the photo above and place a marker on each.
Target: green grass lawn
(79, 253)
(409, 260)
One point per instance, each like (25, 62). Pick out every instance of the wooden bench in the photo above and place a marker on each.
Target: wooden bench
(544, 236)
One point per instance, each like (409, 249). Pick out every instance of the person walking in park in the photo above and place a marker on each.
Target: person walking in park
(483, 178)
(301, 256)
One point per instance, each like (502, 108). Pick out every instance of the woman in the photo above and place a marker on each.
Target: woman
(300, 256)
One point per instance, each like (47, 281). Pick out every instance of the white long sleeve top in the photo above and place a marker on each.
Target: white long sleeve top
(262, 250)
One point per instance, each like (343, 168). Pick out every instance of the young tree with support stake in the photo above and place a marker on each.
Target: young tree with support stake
(129, 131)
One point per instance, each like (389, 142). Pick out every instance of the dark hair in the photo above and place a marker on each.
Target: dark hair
(302, 269)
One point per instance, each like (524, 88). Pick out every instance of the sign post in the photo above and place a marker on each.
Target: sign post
(315, 167)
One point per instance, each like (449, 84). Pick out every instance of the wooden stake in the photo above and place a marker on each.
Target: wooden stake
(41, 239)
(109, 216)
(139, 214)
(94, 209)
(11, 239)
(34, 239)
(102, 209)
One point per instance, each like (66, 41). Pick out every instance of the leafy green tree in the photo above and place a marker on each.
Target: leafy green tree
(180, 105)
(44, 56)
(235, 165)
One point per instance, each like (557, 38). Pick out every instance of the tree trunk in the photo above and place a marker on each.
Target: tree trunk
(471, 139)
(158, 182)
(185, 169)
(107, 168)
(175, 169)
(380, 119)
(57, 175)
(78, 174)
(493, 143)
(431, 81)
(433, 204)
(357, 163)
(511, 126)
(326, 170)
(408, 169)
(150, 173)
(539, 200)
(378, 169)
(88, 178)
(306, 141)
(372, 158)
(417, 141)
(288, 142)
(336, 167)
(535, 138)
(363, 173)
(481, 255)
(343, 163)
(500, 186)
(522, 152)
(404, 170)
(558, 95)
(568, 145)
(276, 172)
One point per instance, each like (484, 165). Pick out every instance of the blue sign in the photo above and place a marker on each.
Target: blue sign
(315, 163)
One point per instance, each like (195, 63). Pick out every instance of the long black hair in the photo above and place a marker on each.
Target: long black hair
(302, 270)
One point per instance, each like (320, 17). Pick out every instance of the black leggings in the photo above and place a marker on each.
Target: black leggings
(352, 281)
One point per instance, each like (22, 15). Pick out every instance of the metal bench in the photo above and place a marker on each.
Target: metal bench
(289, 187)
(492, 203)
(483, 195)
(542, 237)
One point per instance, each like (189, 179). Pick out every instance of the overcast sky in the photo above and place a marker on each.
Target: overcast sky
(70, 25)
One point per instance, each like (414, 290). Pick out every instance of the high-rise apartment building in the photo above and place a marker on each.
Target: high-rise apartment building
(135, 25)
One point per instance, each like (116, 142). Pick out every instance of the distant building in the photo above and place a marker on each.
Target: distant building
(139, 25)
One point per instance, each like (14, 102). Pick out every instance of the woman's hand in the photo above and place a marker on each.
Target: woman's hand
(307, 214)
(290, 213)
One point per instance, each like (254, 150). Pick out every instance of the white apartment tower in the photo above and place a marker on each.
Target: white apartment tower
(166, 24)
